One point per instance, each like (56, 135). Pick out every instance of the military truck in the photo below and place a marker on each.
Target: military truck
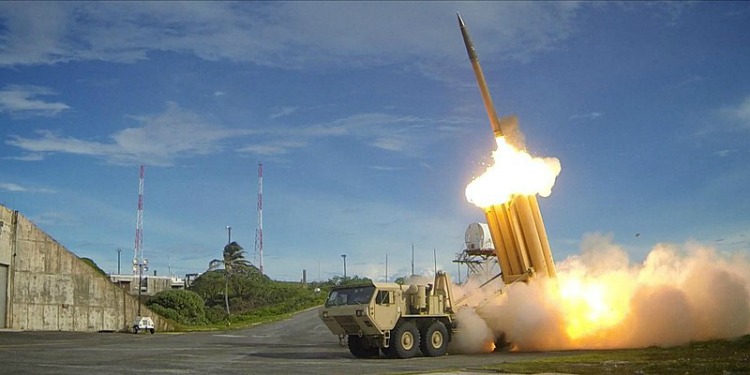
(398, 320)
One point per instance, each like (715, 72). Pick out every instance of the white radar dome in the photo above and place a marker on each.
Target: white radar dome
(478, 237)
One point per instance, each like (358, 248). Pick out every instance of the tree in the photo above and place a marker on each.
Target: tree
(209, 285)
(233, 262)
(349, 280)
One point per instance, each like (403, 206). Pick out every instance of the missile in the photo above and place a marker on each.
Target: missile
(494, 121)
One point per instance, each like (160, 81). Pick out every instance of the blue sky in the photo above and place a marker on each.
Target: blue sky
(369, 125)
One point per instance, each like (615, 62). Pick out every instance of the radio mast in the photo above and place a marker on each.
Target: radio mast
(138, 248)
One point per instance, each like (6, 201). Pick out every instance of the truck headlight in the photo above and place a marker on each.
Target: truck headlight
(325, 314)
(360, 312)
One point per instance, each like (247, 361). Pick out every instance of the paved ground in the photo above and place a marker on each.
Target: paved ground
(300, 345)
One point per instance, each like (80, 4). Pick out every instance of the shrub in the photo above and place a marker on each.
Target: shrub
(216, 314)
(182, 306)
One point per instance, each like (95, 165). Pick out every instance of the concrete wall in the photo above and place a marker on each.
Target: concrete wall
(51, 289)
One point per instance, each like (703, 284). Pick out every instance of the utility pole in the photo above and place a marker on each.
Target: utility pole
(259, 229)
(386, 267)
(343, 256)
(118, 260)
(229, 234)
(434, 258)
(412, 259)
(142, 266)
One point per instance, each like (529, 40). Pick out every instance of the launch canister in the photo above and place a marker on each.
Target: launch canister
(494, 121)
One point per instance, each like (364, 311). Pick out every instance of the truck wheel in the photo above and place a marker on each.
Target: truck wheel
(404, 340)
(135, 329)
(434, 341)
(359, 348)
(152, 331)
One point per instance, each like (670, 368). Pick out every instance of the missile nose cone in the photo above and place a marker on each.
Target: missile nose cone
(467, 39)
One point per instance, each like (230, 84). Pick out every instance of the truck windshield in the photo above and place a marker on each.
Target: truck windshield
(350, 296)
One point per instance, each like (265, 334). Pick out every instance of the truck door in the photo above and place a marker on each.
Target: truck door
(386, 310)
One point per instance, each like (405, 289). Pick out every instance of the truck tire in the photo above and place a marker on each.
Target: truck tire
(404, 340)
(434, 340)
(135, 329)
(359, 348)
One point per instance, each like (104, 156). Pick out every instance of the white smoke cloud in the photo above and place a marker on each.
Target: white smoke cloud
(601, 300)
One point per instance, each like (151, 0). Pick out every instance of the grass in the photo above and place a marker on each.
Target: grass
(244, 323)
(712, 357)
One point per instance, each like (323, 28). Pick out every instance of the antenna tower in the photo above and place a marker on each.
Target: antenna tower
(259, 229)
(138, 248)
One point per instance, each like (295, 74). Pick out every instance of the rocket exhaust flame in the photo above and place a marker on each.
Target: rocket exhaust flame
(514, 172)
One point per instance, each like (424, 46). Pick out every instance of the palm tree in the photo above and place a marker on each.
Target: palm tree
(233, 262)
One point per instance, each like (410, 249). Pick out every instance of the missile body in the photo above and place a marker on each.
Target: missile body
(516, 227)
(494, 122)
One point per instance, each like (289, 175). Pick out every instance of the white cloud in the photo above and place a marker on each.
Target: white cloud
(283, 111)
(738, 114)
(675, 11)
(11, 187)
(743, 112)
(291, 34)
(391, 144)
(24, 101)
(385, 168)
(272, 148)
(586, 116)
(724, 153)
(392, 133)
(27, 157)
(176, 133)
(15, 188)
(179, 133)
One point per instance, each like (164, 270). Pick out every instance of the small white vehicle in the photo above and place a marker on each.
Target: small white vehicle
(143, 323)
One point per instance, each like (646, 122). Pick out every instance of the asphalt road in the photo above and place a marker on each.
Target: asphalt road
(300, 345)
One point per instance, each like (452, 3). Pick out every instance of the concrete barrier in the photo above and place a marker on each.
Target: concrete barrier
(45, 287)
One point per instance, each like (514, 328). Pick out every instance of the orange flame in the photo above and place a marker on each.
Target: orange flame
(591, 306)
(514, 172)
